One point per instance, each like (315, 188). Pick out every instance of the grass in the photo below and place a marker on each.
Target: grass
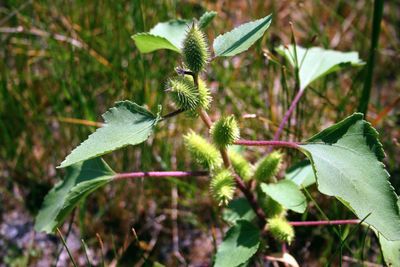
(74, 60)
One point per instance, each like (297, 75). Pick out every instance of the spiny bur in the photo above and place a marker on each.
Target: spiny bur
(222, 187)
(241, 166)
(268, 167)
(225, 131)
(195, 49)
(202, 151)
(204, 98)
(183, 92)
(280, 229)
(204, 95)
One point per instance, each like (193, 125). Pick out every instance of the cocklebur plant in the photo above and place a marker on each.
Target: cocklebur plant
(345, 159)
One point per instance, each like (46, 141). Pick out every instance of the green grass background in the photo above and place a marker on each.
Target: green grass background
(74, 59)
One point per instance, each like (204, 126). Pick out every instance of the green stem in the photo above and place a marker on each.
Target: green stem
(376, 28)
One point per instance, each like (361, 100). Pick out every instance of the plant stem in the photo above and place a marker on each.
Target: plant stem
(376, 28)
(288, 114)
(289, 144)
(319, 223)
(172, 114)
(128, 175)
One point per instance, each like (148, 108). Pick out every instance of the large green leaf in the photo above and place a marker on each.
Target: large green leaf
(238, 209)
(346, 161)
(286, 193)
(316, 62)
(241, 242)
(165, 35)
(125, 124)
(301, 174)
(81, 179)
(240, 38)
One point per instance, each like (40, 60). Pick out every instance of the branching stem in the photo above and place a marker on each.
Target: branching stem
(288, 113)
(320, 223)
(129, 175)
(288, 144)
(239, 182)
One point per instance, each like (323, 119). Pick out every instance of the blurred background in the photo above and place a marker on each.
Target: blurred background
(64, 63)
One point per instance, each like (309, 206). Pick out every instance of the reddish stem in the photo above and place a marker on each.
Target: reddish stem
(159, 174)
(318, 223)
(268, 143)
(288, 114)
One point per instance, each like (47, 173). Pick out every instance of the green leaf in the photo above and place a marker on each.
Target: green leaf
(286, 193)
(346, 162)
(238, 209)
(206, 18)
(81, 179)
(390, 250)
(240, 38)
(301, 174)
(241, 242)
(165, 35)
(316, 62)
(125, 124)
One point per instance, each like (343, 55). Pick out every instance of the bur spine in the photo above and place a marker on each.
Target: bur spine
(183, 92)
(280, 229)
(202, 151)
(268, 167)
(225, 131)
(222, 187)
(241, 166)
(195, 49)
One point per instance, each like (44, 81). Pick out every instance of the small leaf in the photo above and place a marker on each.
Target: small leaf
(240, 38)
(147, 43)
(241, 242)
(165, 35)
(238, 209)
(81, 179)
(206, 18)
(286, 193)
(316, 62)
(346, 162)
(125, 124)
(301, 174)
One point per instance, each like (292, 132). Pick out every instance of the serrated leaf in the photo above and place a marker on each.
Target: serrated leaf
(125, 124)
(238, 209)
(316, 62)
(346, 163)
(165, 35)
(301, 174)
(206, 18)
(240, 38)
(81, 179)
(241, 242)
(286, 193)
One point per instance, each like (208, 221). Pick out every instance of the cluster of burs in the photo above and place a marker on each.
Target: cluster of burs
(190, 93)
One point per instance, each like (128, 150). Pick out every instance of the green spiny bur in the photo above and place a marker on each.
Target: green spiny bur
(195, 49)
(241, 166)
(183, 92)
(280, 229)
(225, 131)
(204, 95)
(202, 151)
(268, 167)
(222, 187)
(204, 98)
